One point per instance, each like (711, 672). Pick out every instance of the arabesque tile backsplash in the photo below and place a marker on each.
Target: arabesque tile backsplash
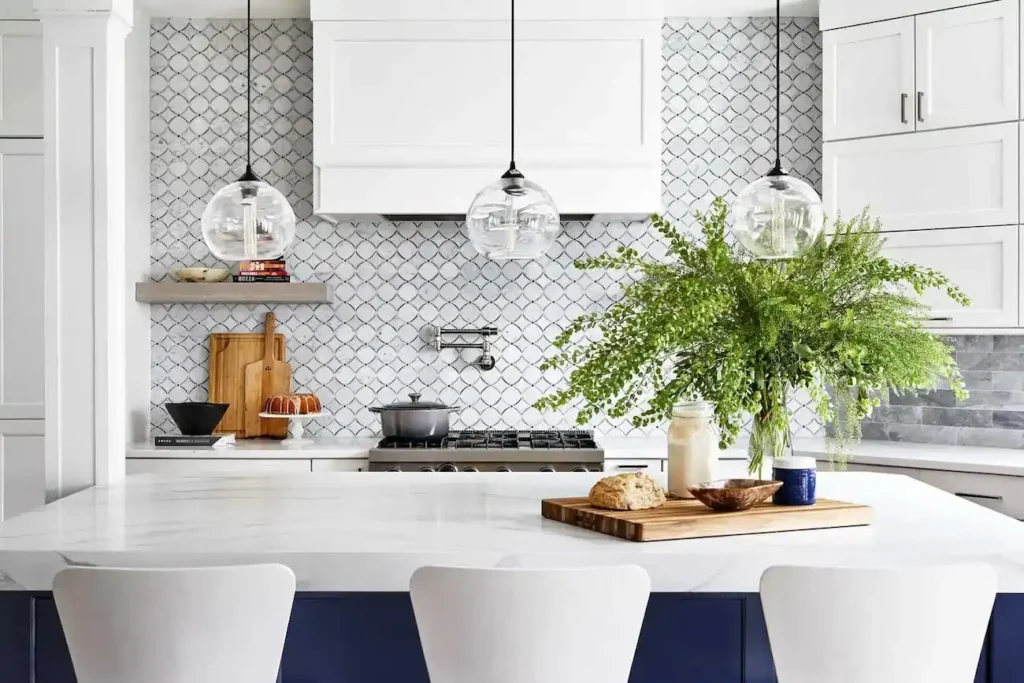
(391, 280)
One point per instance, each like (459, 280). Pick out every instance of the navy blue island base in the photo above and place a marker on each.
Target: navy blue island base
(372, 638)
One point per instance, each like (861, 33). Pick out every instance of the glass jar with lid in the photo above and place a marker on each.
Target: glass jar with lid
(692, 447)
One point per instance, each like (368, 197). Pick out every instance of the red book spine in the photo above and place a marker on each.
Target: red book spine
(263, 272)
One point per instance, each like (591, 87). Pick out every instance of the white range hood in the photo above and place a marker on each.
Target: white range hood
(412, 99)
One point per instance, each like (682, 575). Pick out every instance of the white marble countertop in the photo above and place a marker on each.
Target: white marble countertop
(356, 447)
(370, 531)
(980, 460)
(1002, 461)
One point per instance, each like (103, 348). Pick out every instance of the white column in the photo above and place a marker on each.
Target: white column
(84, 82)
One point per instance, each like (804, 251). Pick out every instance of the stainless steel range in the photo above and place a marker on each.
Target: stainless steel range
(491, 451)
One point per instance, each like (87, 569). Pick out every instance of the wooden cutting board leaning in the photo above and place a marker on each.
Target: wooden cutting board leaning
(679, 519)
(230, 353)
(264, 378)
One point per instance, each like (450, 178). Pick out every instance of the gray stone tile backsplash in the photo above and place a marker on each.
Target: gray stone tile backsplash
(992, 415)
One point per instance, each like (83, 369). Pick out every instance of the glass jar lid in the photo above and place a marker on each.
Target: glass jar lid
(693, 409)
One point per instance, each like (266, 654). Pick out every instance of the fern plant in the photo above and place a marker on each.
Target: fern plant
(710, 323)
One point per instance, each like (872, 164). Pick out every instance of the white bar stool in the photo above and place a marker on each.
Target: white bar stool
(525, 625)
(912, 625)
(206, 625)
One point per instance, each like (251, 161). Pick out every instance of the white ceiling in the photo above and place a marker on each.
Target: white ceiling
(300, 8)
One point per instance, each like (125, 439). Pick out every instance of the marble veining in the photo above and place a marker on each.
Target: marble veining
(369, 532)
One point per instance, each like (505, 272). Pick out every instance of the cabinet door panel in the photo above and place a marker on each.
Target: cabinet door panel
(968, 65)
(983, 262)
(939, 179)
(21, 79)
(22, 457)
(869, 80)
(21, 279)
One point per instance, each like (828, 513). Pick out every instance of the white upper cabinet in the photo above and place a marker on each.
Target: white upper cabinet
(21, 79)
(412, 115)
(21, 279)
(868, 80)
(942, 179)
(958, 67)
(991, 279)
(968, 66)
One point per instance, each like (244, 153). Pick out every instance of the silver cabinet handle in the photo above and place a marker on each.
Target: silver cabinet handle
(631, 467)
(940, 320)
(903, 108)
(920, 106)
(979, 496)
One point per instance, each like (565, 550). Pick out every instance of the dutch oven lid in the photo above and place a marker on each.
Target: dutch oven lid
(414, 403)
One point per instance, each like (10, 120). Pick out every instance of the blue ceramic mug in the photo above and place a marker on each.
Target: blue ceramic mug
(798, 475)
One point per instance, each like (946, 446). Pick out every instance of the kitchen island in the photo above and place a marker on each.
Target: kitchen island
(353, 541)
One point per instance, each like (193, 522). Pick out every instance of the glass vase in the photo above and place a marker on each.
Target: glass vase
(767, 441)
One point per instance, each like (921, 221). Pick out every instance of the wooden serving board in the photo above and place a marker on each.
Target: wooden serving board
(230, 352)
(679, 519)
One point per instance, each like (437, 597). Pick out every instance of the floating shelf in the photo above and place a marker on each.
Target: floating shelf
(232, 292)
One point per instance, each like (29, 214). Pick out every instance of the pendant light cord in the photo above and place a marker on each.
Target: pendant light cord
(248, 80)
(512, 152)
(778, 169)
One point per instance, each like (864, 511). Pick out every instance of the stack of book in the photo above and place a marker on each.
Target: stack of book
(262, 271)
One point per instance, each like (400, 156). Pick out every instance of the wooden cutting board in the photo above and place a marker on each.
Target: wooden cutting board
(230, 352)
(264, 378)
(679, 519)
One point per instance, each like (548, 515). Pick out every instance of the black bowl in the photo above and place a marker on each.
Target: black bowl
(196, 419)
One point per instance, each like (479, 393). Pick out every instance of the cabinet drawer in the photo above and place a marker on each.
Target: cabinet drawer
(1002, 494)
(958, 178)
(211, 466)
(341, 465)
(650, 466)
(983, 262)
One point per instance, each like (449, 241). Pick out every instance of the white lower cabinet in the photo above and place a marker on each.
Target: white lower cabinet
(360, 465)
(983, 262)
(1000, 493)
(619, 466)
(22, 459)
(202, 466)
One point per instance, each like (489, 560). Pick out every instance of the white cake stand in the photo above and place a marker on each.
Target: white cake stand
(295, 428)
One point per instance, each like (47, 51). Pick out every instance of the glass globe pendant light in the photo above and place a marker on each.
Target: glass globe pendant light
(249, 219)
(778, 216)
(512, 218)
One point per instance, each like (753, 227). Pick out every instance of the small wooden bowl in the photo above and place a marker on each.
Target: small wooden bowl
(732, 495)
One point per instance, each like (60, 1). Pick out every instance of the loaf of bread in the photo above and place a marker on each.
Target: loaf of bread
(631, 491)
(292, 404)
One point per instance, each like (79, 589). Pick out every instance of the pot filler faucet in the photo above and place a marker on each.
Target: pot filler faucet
(486, 360)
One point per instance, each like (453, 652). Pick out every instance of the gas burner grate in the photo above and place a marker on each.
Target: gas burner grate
(503, 439)
(414, 444)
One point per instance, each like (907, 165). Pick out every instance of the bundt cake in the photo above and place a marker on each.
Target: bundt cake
(292, 404)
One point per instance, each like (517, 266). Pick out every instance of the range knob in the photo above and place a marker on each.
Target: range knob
(502, 468)
(580, 468)
(448, 467)
(426, 468)
(547, 468)
(470, 469)
(393, 468)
